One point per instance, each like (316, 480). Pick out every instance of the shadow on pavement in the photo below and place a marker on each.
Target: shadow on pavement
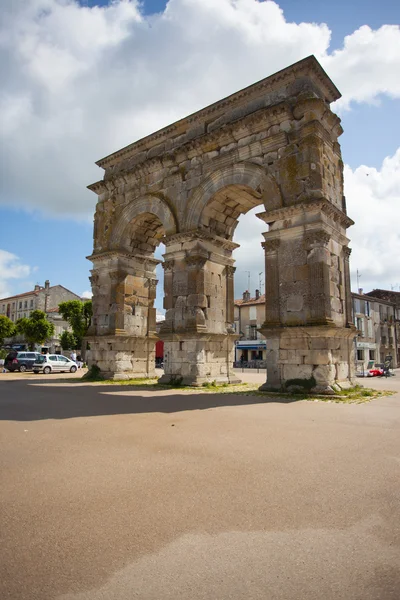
(30, 401)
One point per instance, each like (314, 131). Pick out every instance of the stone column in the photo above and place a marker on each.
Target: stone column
(347, 283)
(318, 260)
(272, 313)
(198, 329)
(122, 336)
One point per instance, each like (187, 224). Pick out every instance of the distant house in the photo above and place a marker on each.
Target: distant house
(249, 316)
(45, 298)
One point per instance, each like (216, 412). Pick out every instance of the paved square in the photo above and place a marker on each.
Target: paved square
(109, 493)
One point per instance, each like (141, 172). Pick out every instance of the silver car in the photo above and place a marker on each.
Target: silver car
(51, 363)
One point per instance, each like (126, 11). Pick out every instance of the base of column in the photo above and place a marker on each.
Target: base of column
(319, 359)
(198, 359)
(122, 357)
(169, 379)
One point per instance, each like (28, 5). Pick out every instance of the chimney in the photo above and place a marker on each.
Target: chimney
(360, 291)
(246, 296)
(47, 284)
(37, 287)
(257, 294)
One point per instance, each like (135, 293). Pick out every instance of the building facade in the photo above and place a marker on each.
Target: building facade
(45, 298)
(249, 314)
(394, 298)
(377, 338)
(377, 320)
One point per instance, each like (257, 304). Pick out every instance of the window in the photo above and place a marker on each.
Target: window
(357, 305)
(372, 355)
(360, 325)
(26, 304)
(31, 355)
(12, 317)
(20, 305)
(31, 304)
(367, 308)
(360, 354)
(4, 307)
(24, 315)
(62, 359)
(53, 357)
(253, 332)
(253, 313)
(13, 305)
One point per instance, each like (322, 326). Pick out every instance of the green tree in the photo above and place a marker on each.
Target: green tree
(78, 314)
(68, 340)
(36, 329)
(7, 328)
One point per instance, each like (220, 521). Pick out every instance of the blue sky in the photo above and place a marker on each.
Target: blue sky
(48, 226)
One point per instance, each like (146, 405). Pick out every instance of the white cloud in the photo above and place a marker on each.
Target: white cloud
(10, 269)
(373, 201)
(87, 294)
(80, 82)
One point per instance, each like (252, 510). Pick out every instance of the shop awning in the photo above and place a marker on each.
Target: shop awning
(251, 346)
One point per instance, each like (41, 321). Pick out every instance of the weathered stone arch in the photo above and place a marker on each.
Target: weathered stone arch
(274, 143)
(225, 194)
(155, 209)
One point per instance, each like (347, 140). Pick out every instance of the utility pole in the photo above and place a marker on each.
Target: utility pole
(260, 281)
(358, 280)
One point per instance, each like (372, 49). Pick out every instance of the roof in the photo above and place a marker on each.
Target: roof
(52, 310)
(368, 296)
(388, 295)
(259, 300)
(34, 292)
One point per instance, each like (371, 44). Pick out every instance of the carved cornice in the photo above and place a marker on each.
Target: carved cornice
(199, 234)
(308, 66)
(322, 205)
(98, 187)
(271, 245)
(99, 256)
(346, 252)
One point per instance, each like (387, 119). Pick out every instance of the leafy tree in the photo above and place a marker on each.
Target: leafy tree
(36, 329)
(78, 314)
(68, 340)
(7, 328)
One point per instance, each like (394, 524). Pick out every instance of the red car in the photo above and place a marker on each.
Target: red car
(375, 372)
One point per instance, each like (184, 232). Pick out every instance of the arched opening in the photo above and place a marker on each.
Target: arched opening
(231, 213)
(125, 279)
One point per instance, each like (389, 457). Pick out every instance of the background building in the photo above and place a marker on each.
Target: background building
(249, 316)
(45, 298)
(376, 316)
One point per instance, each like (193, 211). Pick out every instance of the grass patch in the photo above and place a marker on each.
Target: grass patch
(356, 394)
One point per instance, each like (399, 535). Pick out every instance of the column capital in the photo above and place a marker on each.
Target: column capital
(317, 238)
(271, 245)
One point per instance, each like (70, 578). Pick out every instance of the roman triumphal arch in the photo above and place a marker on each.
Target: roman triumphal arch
(274, 145)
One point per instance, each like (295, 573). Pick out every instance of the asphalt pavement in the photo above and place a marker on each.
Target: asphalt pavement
(109, 493)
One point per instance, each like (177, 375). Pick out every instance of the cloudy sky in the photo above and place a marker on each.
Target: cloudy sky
(82, 79)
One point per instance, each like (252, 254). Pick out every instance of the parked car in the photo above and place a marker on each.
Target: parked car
(50, 363)
(20, 361)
